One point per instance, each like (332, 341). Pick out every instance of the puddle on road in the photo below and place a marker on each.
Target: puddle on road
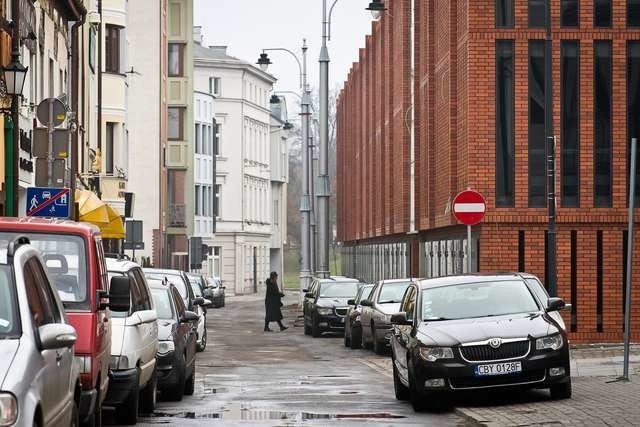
(245, 414)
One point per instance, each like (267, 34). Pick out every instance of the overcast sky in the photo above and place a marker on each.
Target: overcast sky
(248, 26)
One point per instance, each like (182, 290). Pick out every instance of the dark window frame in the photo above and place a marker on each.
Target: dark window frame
(603, 140)
(181, 136)
(570, 114)
(537, 191)
(600, 19)
(633, 112)
(180, 53)
(633, 13)
(504, 13)
(533, 13)
(566, 13)
(505, 119)
(112, 48)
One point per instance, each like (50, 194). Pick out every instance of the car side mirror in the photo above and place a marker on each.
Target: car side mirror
(119, 294)
(557, 304)
(207, 303)
(305, 290)
(400, 319)
(198, 301)
(56, 335)
(351, 302)
(309, 295)
(366, 303)
(189, 316)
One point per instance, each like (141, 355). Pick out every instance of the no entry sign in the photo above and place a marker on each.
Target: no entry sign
(469, 207)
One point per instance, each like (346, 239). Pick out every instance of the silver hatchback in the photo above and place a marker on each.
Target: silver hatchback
(38, 376)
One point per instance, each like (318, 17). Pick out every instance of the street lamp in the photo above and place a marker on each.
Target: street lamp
(264, 61)
(376, 7)
(15, 75)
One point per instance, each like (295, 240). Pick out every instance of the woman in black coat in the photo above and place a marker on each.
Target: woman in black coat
(272, 303)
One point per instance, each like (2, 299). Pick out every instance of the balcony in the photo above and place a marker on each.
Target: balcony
(177, 215)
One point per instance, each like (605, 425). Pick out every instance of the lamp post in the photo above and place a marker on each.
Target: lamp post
(305, 207)
(323, 190)
(14, 77)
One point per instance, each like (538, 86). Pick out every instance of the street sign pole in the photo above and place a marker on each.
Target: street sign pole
(50, 157)
(627, 305)
(469, 259)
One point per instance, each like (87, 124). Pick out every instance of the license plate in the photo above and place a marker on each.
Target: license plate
(498, 369)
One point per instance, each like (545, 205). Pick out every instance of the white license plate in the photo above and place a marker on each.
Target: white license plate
(498, 369)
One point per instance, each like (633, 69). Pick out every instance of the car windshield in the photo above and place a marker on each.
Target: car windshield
(174, 279)
(65, 257)
(9, 322)
(482, 299)
(392, 292)
(196, 289)
(162, 303)
(364, 290)
(338, 289)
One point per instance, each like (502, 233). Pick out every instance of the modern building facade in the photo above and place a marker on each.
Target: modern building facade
(279, 164)
(243, 175)
(478, 98)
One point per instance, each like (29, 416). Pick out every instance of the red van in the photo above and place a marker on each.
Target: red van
(74, 257)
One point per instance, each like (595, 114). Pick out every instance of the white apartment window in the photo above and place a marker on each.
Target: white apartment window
(175, 128)
(198, 142)
(276, 212)
(217, 139)
(215, 86)
(175, 60)
(198, 200)
(217, 261)
(217, 204)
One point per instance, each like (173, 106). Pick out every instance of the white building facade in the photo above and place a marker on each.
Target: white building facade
(241, 252)
(204, 164)
(279, 136)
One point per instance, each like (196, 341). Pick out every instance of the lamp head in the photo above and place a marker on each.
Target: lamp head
(264, 61)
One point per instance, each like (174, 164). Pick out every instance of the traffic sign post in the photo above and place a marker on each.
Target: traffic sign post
(48, 202)
(469, 208)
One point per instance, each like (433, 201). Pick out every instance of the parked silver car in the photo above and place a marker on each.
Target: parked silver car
(38, 377)
(216, 290)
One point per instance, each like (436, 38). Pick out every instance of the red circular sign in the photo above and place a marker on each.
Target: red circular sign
(469, 207)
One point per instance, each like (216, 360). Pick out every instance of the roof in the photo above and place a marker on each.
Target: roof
(405, 280)
(157, 284)
(41, 225)
(206, 54)
(163, 271)
(468, 278)
(120, 265)
(337, 279)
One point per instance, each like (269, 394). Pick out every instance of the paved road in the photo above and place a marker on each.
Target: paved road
(249, 377)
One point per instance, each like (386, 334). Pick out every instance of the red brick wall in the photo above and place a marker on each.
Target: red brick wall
(455, 143)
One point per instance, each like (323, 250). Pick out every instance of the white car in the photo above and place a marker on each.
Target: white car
(38, 376)
(201, 310)
(134, 343)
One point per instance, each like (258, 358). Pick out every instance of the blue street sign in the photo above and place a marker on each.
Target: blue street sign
(48, 202)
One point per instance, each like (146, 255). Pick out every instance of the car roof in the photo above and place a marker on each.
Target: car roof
(405, 280)
(158, 284)
(470, 278)
(163, 271)
(43, 225)
(120, 265)
(337, 279)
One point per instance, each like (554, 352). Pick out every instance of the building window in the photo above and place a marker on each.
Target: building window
(51, 79)
(633, 13)
(537, 13)
(217, 261)
(276, 213)
(198, 136)
(602, 107)
(215, 86)
(217, 203)
(537, 138)
(570, 16)
(176, 60)
(175, 125)
(570, 123)
(505, 124)
(109, 147)
(602, 13)
(633, 107)
(112, 48)
(504, 14)
(217, 139)
(198, 200)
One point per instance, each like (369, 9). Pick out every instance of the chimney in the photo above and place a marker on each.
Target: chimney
(219, 49)
(197, 35)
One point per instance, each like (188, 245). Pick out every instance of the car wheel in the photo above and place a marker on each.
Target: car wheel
(401, 391)
(378, 347)
(315, 327)
(203, 341)
(190, 385)
(95, 420)
(128, 411)
(175, 393)
(356, 338)
(149, 395)
(561, 391)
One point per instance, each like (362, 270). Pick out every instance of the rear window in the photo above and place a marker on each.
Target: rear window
(174, 279)
(66, 260)
(9, 320)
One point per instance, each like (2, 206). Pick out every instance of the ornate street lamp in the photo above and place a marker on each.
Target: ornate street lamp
(264, 61)
(15, 75)
(376, 7)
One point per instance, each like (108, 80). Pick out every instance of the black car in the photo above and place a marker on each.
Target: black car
(180, 280)
(478, 332)
(176, 357)
(352, 325)
(325, 304)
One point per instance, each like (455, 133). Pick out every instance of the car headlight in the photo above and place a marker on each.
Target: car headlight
(552, 342)
(322, 311)
(431, 354)
(165, 347)
(118, 362)
(83, 363)
(8, 409)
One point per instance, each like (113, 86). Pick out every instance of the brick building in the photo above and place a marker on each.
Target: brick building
(478, 91)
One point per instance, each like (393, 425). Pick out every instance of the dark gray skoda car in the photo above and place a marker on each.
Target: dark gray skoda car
(478, 332)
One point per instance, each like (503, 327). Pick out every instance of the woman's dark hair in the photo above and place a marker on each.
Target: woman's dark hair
(273, 275)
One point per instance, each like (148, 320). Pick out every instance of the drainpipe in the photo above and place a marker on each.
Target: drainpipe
(73, 71)
(99, 129)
